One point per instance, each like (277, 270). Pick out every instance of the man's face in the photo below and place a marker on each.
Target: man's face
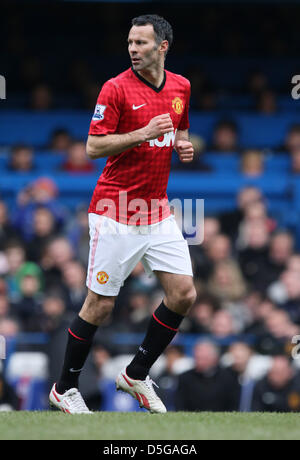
(280, 372)
(206, 357)
(142, 47)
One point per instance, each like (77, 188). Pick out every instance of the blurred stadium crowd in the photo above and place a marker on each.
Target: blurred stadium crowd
(234, 349)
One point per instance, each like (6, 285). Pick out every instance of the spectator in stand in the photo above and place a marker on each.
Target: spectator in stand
(41, 98)
(77, 160)
(231, 220)
(56, 255)
(225, 137)
(259, 310)
(280, 252)
(286, 293)
(7, 231)
(279, 391)
(201, 316)
(29, 305)
(254, 214)
(240, 355)
(293, 263)
(74, 277)
(198, 252)
(226, 282)
(3, 287)
(4, 306)
(175, 364)
(252, 163)
(253, 259)
(60, 141)
(207, 387)
(100, 358)
(292, 140)
(222, 325)
(21, 159)
(296, 161)
(218, 249)
(53, 320)
(42, 192)
(266, 102)
(77, 232)
(16, 256)
(44, 229)
(277, 334)
(139, 311)
(9, 327)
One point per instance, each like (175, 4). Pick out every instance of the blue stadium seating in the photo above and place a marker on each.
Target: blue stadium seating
(264, 131)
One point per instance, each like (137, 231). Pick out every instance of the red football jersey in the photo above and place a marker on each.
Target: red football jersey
(132, 187)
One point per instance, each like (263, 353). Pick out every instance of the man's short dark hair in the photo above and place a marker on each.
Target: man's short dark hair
(162, 28)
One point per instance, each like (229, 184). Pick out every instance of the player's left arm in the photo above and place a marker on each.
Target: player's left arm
(183, 146)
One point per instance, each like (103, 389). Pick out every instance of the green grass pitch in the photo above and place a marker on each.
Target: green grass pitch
(143, 426)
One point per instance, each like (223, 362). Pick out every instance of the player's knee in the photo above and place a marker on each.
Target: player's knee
(104, 309)
(98, 308)
(188, 297)
(183, 298)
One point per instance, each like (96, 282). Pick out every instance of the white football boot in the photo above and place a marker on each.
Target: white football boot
(71, 402)
(143, 391)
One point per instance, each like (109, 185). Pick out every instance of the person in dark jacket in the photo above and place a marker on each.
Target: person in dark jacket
(207, 387)
(279, 391)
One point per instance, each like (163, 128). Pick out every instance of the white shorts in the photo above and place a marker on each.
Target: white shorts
(115, 250)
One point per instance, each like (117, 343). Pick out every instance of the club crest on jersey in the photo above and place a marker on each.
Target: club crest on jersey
(99, 112)
(102, 277)
(177, 105)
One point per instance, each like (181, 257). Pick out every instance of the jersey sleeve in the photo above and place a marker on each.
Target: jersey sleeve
(107, 111)
(184, 122)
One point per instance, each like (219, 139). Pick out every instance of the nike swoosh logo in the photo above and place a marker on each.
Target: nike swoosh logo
(135, 107)
(75, 370)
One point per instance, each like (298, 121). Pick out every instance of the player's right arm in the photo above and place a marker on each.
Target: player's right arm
(99, 146)
(103, 140)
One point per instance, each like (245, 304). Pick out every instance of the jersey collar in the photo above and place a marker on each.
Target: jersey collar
(146, 82)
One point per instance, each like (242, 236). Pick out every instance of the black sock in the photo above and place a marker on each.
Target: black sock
(80, 339)
(162, 329)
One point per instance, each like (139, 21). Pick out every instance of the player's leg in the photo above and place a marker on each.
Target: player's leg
(168, 257)
(180, 295)
(162, 328)
(65, 394)
(104, 279)
(96, 309)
